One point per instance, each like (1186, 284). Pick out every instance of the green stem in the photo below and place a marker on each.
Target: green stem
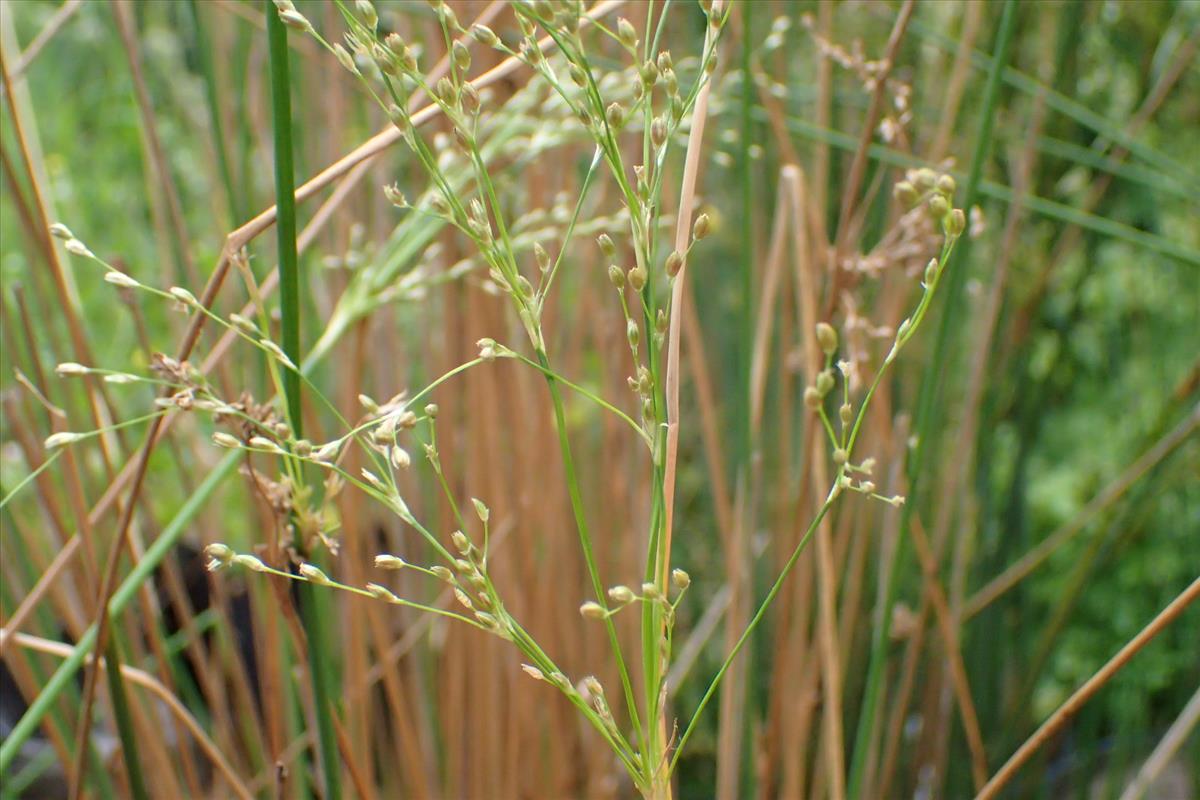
(758, 615)
(313, 611)
(880, 638)
(585, 538)
(285, 204)
(124, 720)
(204, 55)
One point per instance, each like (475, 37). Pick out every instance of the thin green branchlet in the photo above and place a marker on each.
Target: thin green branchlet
(936, 198)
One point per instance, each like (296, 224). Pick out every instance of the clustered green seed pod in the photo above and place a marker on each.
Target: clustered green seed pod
(931, 271)
(637, 278)
(626, 33)
(827, 338)
(461, 56)
(484, 35)
(461, 543)
(615, 114)
(825, 382)
(578, 76)
(906, 193)
(674, 264)
(592, 610)
(955, 223)
(621, 594)
(939, 207)
(925, 179)
(606, 245)
(616, 275)
(658, 131)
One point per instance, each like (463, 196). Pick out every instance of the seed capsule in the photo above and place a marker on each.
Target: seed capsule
(827, 337)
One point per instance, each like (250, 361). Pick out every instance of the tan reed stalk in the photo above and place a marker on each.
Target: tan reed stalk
(1063, 714)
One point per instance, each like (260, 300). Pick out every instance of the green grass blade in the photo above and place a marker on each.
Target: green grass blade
(64, 676)
(312, 608)
(956, 282)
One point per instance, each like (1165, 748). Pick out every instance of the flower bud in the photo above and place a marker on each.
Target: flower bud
(615, 115)
(61, 439)
(485, 35)
(182, 295)
(606, 245)
(294, 19)
(827, 338)
(120, 279)
(681, 579)
(219, 552)
(578, 76)
(674, 264)
(222, 439)
(906, 193)
(648, 74)
(621, 594)
(367, 12)
(633, 333)
(312, 574)
(658, 131)
(461, 56)
(461, 543)
(701, 227)
(60, 231)
(672, 81)
(637, 278)
(924, 179)
(616, 275)
(542, 257)
(946, 185)
(381, 592)
(939, 207)
(955, 223)
(626, 33)
(812, 398)
(470, 98)
(592, 610)
(250, 562)
(387, 561)
(825, 382)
